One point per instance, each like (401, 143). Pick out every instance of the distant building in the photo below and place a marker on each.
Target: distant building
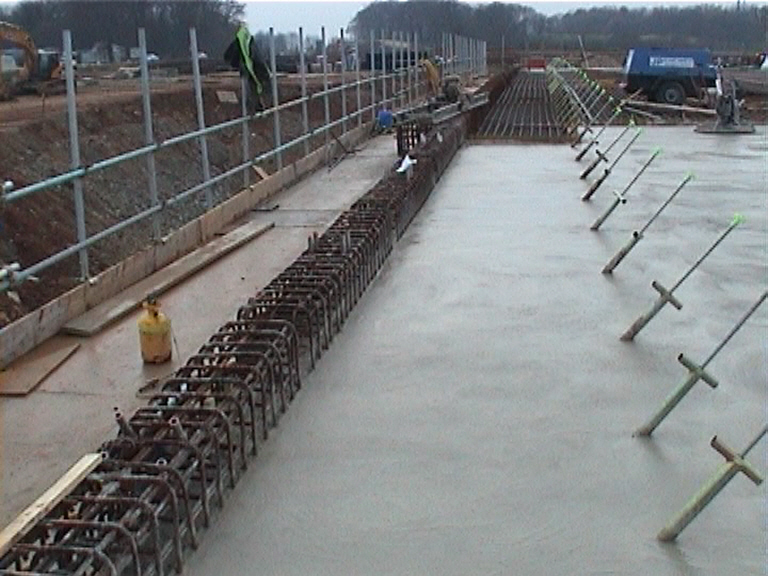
(103, 53)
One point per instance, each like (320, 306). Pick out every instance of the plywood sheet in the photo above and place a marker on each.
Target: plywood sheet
(26, 373)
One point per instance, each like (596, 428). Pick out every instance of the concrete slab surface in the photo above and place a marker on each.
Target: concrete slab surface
(475, 415)
(70, 414)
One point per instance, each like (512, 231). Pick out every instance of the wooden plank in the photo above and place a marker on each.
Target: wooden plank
(260, 171)
(27, 520)
(670, 107)
(26, 373)
(226, 96)
(99, 317)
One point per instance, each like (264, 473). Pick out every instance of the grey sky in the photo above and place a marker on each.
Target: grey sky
(288, 16)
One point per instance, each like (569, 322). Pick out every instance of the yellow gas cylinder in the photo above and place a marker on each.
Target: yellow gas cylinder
(154, 333)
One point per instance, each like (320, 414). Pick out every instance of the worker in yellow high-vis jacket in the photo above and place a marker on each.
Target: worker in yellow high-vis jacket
(243, 54)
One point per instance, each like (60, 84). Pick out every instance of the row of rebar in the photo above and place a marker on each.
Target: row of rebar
(160, 480)
(576, 98)
(523, 111)
(547, 105)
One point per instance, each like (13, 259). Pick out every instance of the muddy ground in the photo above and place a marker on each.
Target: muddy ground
(35, 145)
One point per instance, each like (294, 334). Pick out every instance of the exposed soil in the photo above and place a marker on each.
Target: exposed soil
(35, 145)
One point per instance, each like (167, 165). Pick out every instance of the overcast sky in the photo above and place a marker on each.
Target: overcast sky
(288, 15)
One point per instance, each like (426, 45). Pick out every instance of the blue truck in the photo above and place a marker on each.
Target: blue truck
(669, 75)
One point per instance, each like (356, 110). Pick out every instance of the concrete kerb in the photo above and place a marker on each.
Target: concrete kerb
(31, 330)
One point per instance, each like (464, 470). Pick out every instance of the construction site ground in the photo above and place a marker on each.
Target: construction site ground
(35, 138)
(475, 416)
(71, 412)
(476, 413)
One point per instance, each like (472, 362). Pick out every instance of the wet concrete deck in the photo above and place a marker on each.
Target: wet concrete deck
(70, 414)
(475, 416)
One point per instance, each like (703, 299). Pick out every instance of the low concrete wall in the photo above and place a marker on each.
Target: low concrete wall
(27, 332)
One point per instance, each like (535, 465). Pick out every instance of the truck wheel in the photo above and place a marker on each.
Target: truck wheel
(671, 93)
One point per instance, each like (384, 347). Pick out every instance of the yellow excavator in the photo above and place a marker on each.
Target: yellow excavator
(24, 68)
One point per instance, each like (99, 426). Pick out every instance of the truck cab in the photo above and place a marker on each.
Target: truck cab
(49, 65)
(669, 75)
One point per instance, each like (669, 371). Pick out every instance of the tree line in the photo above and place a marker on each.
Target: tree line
(166, 23)
(741, 27)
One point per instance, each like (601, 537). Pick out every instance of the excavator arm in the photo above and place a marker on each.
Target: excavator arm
(12, 36)
(433, 76)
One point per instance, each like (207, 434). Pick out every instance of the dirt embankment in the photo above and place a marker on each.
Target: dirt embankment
(35, 145)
